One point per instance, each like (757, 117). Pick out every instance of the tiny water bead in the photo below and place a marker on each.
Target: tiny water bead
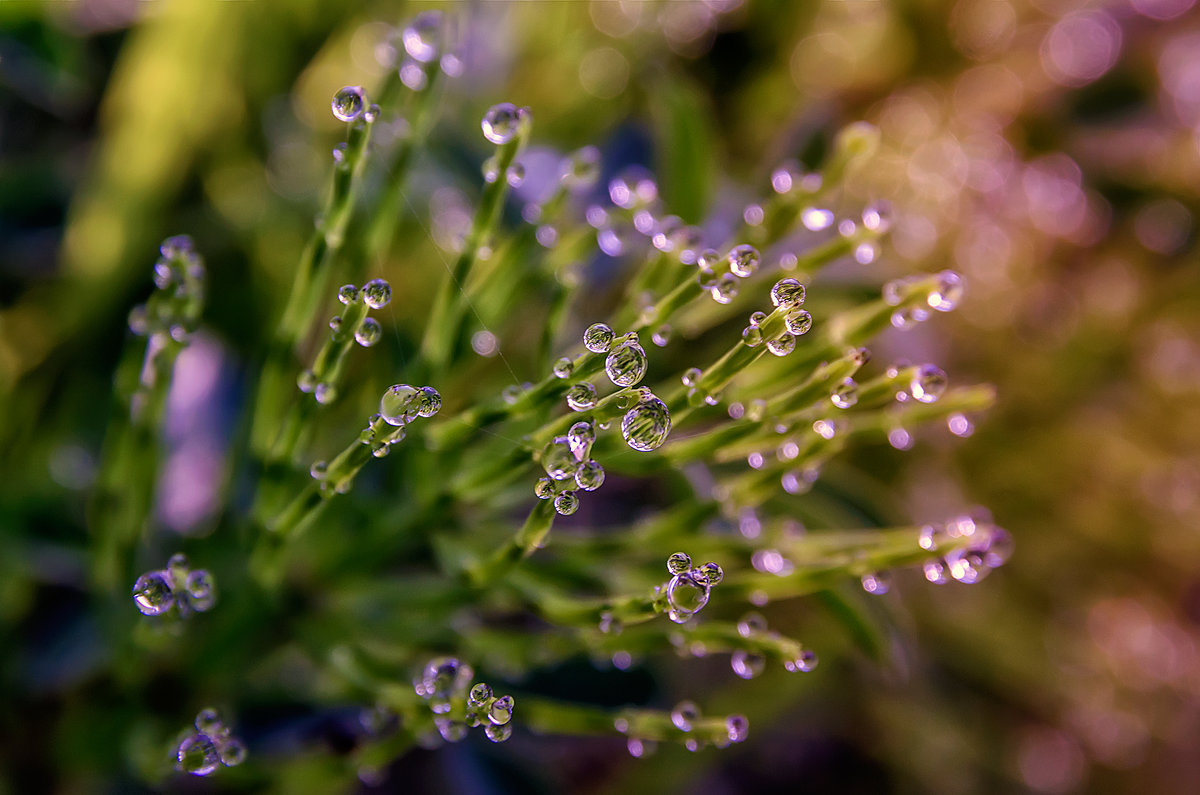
(846, 394)
(544, 488)
(928, 383)
(502, 122)
(691, 376)
(743, 260)
(661, 336)
(197, 755)
(348, 103)
(347, 293)
(805, 662)
(152, 593)
(738, 728)
(422, 37)
(646, 425)
(580, 438)
(598, 338)
(877, 582)
(515, 175)
(751, 624)
(752, 335)
(369, 332)
(679, 562)
(580, 170)
(563, 367)
(581, 397)
(626, 364)
(377, 293)
(725, 289)
(684, 715)
(747, 664)
(948, 291)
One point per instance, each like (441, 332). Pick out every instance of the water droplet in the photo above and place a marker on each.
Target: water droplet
(679, 562)
(515, 175)
(371, 113)
(935, 571)
(325, 393)
(209, 722)
(501, 710)
(816, 219)
(626, 364)
(904, 319)
(501, 122)
(566, 503)
(480, 695)
(544, 488)
(349, 103)
(747, 664)
(846, 394)
(691, 376)
(711, 573)
(708, 259)
(580, 169)
(490, 169)
(233, 753)
(725, 289)
(558, 459)
(399, 404)
(684, 715)
(152, 593)
(306, 381)
(381, 449)
(687, 594)
(804, 663)
(369, 333)
(661, 336)
(200, 591)
(753, 215)
(335, 323)
(665, 233)
(646, 425)
(743, 260)
(639, 748)
(580, 438)
(339, 154)
(928, 384)
(738, 728)
(959, 425)
(751, 624)
(442, 678)
(422, 37)
(799, 322)
(347, 293)
(782, 345)
(866, 253)
(197, 755)
(590, 475)
(547, 236)
(452, 65)
(878, 216)
(377, 293)
(877, 582)
(948, 292)
(598, 338)
(498, 734)
(581, 397)
(563, 367)
(752, 336)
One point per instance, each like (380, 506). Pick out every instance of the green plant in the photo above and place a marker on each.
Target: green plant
(430, 569)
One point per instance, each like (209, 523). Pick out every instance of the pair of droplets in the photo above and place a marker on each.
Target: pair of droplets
(157, 592)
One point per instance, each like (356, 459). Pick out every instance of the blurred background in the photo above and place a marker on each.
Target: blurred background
(1049, 150)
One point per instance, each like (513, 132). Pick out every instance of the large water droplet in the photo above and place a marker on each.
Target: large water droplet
(566, 503)
(626, 364)
(502, 122)
(646, 425)
(679, 562)
(349, 103)
(369, 332)
(598, 338)
(197, 755)
(798, 322)
(563, 367)
(743, 260)
(782, 345)
(787, 293)
(581, 397)
(377, 293)
(399, 404)
(590, 475)
(498, 734)
(687, 594)
(152, 593)
(347, 293)
(580, 438)
(558, 459)
(501, 710)
(233, 753)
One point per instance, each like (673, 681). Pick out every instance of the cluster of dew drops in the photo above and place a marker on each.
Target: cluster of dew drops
(176, 586)
(645, 424)
(688, 590)
(209, 747)
(447, 679)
